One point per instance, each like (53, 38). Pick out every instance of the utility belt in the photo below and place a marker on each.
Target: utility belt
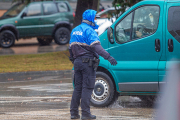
(92, 62)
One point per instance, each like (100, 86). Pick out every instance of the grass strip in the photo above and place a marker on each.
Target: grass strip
(35, 62)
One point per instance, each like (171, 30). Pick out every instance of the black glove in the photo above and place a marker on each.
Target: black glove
(71, 55)
(71, 59)
(112, 60)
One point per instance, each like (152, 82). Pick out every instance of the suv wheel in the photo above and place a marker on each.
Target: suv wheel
(44, 41)
(104, 91)
(62, 36)
(7, 38)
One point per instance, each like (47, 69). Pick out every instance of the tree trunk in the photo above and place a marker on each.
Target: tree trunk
(83, 5)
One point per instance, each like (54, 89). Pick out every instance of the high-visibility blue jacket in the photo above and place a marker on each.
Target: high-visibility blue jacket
(84, 39)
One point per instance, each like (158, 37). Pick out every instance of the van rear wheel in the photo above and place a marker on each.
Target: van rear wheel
(104, 91)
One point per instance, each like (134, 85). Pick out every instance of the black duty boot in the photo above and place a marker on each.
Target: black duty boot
(75, 116)
(88, 117)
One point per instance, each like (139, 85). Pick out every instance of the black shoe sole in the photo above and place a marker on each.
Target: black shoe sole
(77, 117)
(87, 118)
(74, 118)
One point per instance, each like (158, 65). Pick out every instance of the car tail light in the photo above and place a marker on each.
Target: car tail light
(73, 14)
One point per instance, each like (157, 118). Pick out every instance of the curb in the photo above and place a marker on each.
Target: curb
(21, 76)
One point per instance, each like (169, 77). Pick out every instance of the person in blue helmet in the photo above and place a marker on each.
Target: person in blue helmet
(85, 48)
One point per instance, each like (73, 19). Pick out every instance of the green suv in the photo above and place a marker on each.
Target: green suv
(46, 20)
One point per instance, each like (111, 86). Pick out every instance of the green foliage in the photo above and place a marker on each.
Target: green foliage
(123, 4)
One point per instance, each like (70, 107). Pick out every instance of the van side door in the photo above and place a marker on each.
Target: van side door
(138, 47)
(172, 33)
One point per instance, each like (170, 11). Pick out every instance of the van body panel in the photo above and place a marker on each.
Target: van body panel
(162, 70)
(104, 40)
(146, 44)
(172, 33)
(103, 63)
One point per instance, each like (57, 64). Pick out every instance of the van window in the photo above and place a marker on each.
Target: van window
(145, 21)
(123, 30)
(173, 22)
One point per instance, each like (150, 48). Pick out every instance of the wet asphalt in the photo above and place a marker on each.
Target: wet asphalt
(31, 46)
(46, 95)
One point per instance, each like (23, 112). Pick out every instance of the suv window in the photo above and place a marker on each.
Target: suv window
(145, 23)
(63, 7)
(15, 10)
(34, 9)
(49, 8)
(173, 22)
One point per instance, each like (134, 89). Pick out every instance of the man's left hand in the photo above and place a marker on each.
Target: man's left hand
(139, 34)
(71, 59)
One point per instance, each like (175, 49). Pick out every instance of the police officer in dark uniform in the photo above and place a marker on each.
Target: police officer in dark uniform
(85, 49)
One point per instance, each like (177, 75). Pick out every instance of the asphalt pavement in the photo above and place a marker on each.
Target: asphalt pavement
(33, 75)
(31, 46)
(39, 96)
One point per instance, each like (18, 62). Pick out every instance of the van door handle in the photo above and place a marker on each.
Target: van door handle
(157, 45)
(170, 45)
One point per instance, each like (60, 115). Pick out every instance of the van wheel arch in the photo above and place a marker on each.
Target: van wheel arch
(107, 94)
(102, 69)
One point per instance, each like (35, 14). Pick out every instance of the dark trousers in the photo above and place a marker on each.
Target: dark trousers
(84, 85)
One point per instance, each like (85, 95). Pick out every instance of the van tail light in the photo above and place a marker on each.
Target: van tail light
(73, 14)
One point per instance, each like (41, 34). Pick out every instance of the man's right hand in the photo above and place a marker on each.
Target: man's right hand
(112, 60)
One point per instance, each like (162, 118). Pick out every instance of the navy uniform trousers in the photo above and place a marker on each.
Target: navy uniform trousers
(84, 85)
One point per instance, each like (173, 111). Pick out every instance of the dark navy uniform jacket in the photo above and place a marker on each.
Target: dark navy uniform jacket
(84, 39)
